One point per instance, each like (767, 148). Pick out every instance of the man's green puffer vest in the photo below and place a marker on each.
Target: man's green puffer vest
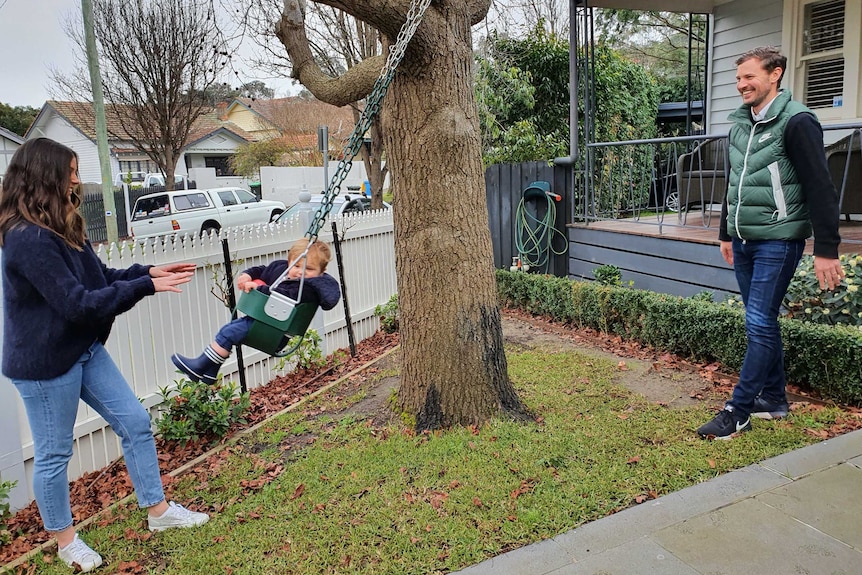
(764, 198)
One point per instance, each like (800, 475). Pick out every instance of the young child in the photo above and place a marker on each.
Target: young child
(319, 288)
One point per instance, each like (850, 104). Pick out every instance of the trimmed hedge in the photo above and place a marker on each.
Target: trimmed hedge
(827, 359)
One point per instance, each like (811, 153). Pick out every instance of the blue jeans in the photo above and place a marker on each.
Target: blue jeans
(763, 270)
(52, 406)
(233, 332)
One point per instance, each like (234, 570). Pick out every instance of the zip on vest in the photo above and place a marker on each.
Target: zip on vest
(742, 174)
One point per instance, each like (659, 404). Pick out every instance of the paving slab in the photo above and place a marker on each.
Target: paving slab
(640, 557)
(752, 537)
(800, 462)
(826, 501)
(635, 522)
(535, 559)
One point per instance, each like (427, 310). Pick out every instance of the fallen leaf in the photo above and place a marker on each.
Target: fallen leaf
(298, 491)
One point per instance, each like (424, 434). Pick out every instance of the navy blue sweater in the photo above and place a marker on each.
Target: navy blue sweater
(322, 290)
(58, 301)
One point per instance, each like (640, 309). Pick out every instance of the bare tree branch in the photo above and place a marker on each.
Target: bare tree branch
(157, 58)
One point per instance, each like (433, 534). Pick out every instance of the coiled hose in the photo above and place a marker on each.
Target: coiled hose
(534, 236)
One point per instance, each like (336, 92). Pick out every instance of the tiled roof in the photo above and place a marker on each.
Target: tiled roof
(281, 111)
(300, 141)
(268, 109)
(81, 115)
(302, 115)
(212, 122)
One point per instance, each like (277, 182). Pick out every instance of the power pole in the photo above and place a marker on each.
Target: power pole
(101, 126)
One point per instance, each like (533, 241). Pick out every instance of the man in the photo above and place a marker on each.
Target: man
(779, 190)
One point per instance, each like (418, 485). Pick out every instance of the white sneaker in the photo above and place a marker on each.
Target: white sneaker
(79, 553)
(177, 516)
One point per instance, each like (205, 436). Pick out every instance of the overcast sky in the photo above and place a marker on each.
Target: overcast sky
(35, 43)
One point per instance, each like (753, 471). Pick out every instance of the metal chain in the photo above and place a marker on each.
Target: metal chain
(372, 107)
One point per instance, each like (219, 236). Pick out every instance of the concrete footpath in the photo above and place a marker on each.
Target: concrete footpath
(798, 513)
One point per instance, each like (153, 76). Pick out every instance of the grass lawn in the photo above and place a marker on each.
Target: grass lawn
(314, 491)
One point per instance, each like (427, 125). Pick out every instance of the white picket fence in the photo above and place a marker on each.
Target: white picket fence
(143, 338)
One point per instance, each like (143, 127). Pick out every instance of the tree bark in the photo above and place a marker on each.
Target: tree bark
(454, 369)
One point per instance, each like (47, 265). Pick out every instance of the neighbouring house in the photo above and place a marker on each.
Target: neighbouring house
(9, 142)
(295, 116)
(212, 142)
(213, 139)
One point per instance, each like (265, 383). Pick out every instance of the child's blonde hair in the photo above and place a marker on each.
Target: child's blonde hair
(318, 253)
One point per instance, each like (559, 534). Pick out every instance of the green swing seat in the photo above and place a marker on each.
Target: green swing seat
(268, 334)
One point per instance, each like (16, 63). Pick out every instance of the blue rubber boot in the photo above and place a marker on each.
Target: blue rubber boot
(203, 368)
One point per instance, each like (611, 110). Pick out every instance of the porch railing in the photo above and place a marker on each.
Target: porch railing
(682, 181)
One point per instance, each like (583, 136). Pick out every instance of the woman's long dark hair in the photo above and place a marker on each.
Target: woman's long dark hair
(35, 189)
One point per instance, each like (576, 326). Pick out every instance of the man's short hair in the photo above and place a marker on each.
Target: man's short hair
(770, 59)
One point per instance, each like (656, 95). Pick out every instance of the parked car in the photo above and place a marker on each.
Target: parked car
(134, 179)
(199, 211)
(308, 205)
(151, 180)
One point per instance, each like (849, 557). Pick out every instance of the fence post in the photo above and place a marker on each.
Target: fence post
(336, 242)
(231, 300)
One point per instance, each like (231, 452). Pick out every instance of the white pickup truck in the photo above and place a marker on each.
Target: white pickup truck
(199, 211)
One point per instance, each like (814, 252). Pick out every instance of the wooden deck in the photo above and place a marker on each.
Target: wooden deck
(702, 228)
(669, 253)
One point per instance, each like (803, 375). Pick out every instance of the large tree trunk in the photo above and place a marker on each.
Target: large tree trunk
(453, 367)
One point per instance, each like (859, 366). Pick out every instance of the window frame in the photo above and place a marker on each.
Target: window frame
(794, 77)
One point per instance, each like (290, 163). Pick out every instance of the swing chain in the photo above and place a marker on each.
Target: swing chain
(372, 107)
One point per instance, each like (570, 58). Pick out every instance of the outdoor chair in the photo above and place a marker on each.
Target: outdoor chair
(844, 159)
(701, 176)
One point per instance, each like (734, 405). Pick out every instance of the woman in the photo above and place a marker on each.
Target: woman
(59, 302)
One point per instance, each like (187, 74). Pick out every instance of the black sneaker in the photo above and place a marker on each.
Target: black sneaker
(724, 426)
(765, 410)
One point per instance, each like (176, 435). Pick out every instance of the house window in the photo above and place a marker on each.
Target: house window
(146, 166)
(823, 54)
(821, 39)
(221, 164)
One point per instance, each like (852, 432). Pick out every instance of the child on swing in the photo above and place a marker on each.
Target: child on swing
(318, 287)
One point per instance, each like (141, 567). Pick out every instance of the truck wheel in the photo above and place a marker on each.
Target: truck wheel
(274, 215)
(207, 229)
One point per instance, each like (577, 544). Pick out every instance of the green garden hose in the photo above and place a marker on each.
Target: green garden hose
(534, 236)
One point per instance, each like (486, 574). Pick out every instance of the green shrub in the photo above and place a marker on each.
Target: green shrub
(807, 302)
(388, 313)
(195, 410)
(308, 355)
(5, 514)
(608, 275)
(827, 359)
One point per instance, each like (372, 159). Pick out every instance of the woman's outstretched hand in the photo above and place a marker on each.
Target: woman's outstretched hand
(170, 281)
(167, 269)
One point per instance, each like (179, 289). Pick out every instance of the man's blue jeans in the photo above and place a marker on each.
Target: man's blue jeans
(52, 406)
(763, 270)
